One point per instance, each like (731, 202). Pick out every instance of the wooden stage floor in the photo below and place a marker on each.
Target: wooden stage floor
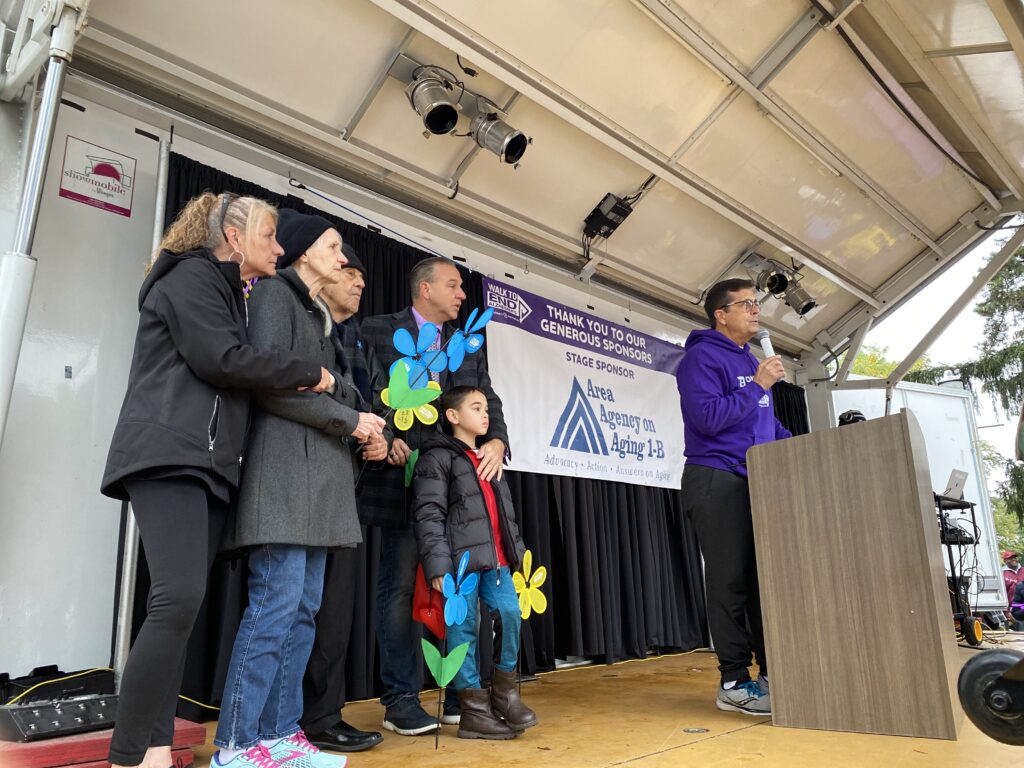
(641, 714)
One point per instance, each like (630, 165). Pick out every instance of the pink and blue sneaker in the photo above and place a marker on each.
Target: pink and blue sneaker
(254, 757)
(296, 752)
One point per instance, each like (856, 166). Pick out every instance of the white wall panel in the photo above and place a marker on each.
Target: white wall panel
(743, 30)
(831, 92)
(58, 535)
(315, 57)
(747, 157)
(563, 175)
(592, 48)
(949, 23)
(991, 85)
(673, 236)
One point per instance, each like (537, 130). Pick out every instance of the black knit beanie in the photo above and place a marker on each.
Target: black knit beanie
(296, 232)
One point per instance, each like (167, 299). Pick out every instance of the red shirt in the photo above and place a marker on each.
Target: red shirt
(492, 509)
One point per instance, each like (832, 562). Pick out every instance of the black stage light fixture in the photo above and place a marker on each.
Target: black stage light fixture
(606, 216)
(774, 282)
(495, 135)
(799, 299)
(430, 95)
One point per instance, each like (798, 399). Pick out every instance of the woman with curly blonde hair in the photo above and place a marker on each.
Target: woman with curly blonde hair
(177, 449)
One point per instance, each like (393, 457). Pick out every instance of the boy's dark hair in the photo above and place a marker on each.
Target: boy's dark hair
(720, 293)
(455, 396)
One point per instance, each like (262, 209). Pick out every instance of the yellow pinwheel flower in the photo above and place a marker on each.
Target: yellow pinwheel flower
(528, 587)
(407, 402)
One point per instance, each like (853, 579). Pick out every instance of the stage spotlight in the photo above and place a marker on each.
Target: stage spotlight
(495, 135)
(799, 299)
(429, 94)
(775, 282)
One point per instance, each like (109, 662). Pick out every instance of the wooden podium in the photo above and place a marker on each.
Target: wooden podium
(858, 625)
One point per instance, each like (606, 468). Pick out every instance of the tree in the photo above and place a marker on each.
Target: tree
(872, 361)
(1009, 533)
(1011, 490)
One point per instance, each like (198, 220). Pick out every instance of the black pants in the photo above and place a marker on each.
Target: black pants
(718, 504)
(180, 526)
(323, 686)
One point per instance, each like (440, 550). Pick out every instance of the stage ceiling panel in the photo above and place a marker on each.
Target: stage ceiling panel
(859, 153)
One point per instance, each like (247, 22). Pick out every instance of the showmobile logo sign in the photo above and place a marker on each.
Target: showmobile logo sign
(97, 176)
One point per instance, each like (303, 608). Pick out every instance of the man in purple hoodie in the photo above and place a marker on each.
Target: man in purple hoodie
(727, 408)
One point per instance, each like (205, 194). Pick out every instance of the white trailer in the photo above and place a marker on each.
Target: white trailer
(946, 416)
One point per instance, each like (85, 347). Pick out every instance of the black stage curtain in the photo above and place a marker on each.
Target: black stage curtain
(624, 568)
(791, 407)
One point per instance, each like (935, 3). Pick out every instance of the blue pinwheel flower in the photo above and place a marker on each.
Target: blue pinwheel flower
(419, 358)
(455, 590)
(466, 341)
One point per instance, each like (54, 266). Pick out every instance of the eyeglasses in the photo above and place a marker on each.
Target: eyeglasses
(228, 198)
(748, 304)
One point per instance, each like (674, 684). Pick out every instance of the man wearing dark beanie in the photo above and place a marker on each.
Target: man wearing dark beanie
(323, 686)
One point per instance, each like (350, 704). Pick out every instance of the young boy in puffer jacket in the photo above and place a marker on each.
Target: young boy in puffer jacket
(455, 511)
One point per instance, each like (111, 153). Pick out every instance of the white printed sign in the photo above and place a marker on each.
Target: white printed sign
(583, 396)
(97, 176)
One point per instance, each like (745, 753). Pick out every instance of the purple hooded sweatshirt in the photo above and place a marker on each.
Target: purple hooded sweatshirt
(724, 411)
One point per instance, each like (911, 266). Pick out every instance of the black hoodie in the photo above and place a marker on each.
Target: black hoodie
(187, 403)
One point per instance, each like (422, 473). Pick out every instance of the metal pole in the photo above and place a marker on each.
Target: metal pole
(130, 559)
(18, 266)
(851, 352)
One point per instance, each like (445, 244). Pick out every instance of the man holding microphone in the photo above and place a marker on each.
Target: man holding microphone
(727, 408)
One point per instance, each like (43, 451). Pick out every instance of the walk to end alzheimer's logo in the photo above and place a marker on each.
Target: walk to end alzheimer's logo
(506, 302)
(97, 176)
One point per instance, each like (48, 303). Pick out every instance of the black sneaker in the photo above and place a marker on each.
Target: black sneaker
(408, 718)
(452, 714)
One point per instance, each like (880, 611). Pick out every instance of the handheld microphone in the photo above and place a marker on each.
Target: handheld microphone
(766, 343)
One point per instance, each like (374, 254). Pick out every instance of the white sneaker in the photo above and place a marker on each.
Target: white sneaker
(747, 698)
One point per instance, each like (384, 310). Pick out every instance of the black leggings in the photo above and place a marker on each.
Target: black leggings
(180, 525)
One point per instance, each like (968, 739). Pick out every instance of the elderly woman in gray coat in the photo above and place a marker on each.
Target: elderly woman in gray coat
(297, 500)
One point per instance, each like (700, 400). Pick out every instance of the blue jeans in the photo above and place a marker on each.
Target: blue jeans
(398, 636)
(263, 689)
(496, 591)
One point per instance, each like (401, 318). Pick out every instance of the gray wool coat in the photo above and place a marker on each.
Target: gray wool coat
(298, 481)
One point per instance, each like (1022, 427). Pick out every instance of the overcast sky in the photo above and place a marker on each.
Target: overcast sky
(905, 327)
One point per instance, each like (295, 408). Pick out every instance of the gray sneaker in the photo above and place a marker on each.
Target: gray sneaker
(762, 683)
(747, 698)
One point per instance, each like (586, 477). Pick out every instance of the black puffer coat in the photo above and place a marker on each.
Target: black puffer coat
(187, 403)
(450, 515)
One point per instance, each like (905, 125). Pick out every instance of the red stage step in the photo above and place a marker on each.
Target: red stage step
(89, 750)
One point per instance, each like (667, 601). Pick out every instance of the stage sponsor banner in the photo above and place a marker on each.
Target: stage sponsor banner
(582, 396)
(97, 176)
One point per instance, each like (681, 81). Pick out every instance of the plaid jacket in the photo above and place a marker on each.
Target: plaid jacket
(384, 500)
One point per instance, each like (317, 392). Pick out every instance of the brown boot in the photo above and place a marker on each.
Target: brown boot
(506, 703)
(478, 721)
